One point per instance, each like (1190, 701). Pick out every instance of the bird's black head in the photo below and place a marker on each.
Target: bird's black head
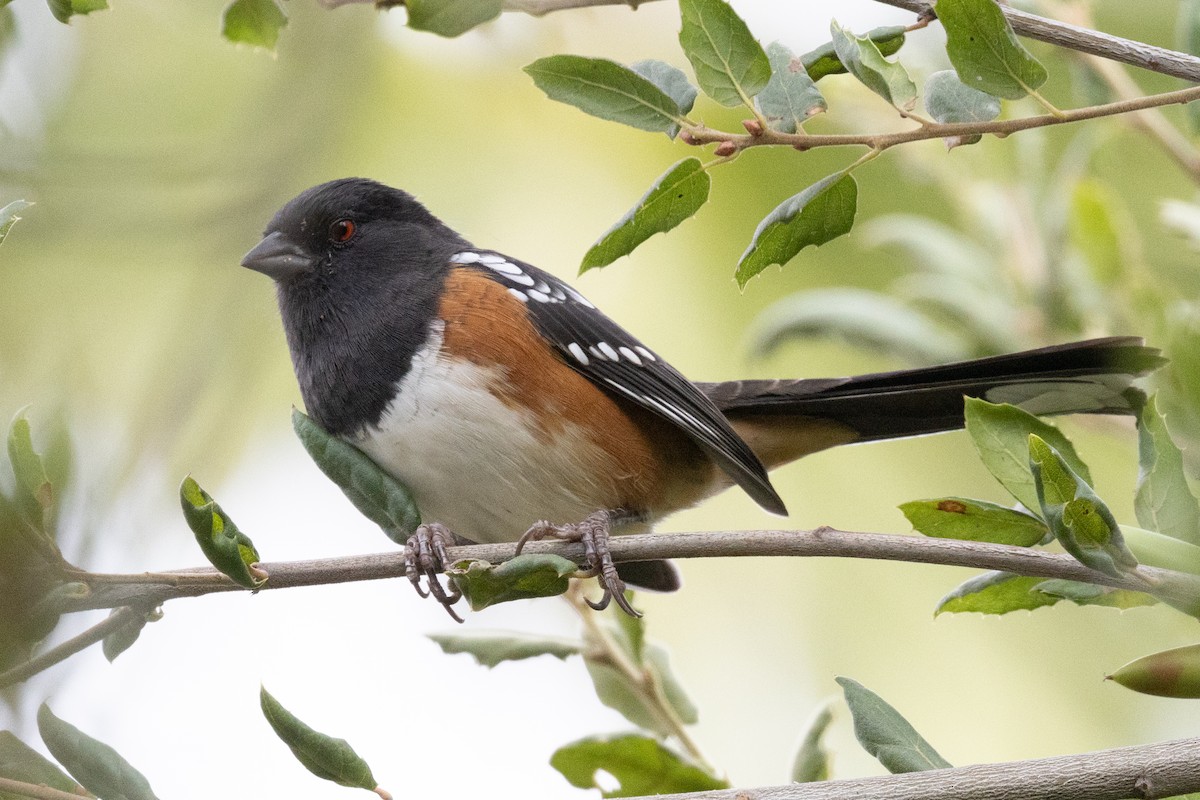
(352, 227)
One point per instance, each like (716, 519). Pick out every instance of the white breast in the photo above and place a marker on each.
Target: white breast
(476, 465)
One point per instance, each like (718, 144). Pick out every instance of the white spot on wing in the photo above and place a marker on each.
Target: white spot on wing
(491, 259)
(517, 293)
(629, 354)
(608, 351)
(645, 353)
(596, 352)
(577, 351)
(539, 296)
(578, 298)
(465, 258)
(521, 278)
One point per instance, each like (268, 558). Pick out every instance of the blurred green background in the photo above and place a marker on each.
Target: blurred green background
(156, 151)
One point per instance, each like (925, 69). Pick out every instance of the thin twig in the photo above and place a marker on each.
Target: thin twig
(1073, 37)
(1164, 769)
(36, 791)
(882, 141)
(96, 633)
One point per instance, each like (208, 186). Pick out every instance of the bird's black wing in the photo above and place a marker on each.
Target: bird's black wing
(607, 355)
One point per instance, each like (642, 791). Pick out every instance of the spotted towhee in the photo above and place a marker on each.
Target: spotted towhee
(500, 396)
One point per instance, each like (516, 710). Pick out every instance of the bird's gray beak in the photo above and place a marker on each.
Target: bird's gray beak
(278, 257)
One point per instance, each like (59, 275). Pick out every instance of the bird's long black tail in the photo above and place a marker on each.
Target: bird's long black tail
(785, 419)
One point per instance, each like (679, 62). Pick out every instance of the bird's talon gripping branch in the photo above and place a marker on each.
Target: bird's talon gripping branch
(592, 533)
(425, 556)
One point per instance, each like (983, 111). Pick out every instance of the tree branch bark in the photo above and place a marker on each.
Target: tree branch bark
(1164, 769)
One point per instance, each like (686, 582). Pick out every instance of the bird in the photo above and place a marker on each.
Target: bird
(513, 408)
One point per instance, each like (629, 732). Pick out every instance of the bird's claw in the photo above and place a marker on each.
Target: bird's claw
(425, 557)
(592, 533)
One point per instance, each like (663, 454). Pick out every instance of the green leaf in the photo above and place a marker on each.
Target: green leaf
(1097, 231)
(1163, 502)
(29, 470)
(1089, 594)
(492, 647)
(885, 734)
(1001, 435)
(812, 759)
(1171, 673)
(1081, 522)
(613, 690)
(824, 60)
(9, 215)
(1159, 550)
(375, 493)
(226, 548)
(865, 318)
(254, 22)
(985, 51)
(322, 755)
(640, 764)
(20, 762)
(995, 593)
(730, 65)
(607, 90)
(861, 57)
(526, 576)
(791, 96)
(63, 10)
(975, 521)
(676, 195)
(450, 18)
(100, 769)
(822, 212)
(672, 81)
(123, 638)
(949, 100)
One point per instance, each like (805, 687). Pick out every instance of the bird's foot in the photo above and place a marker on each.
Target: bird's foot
(425, 557)
(593, 533)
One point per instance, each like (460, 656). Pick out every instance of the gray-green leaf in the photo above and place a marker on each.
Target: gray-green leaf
(985, 51)
(640, 764)
(731, 66)
(450, 17)
(885, 734)
(822, 212)
(824, 60)
(613, 690)
(492, 647)
(322, 755)
(379, 496)
(672, 81)
(888, 79)
(791, 96)
(10, 215)
(949, 100)
(812, 759)
(676, 195)
(607, 90)
(526, 576)
(32, 481)
(99, 768)
(1000, 433)
(975, 521)
(20, 762)
(254, 22)
(1163, 502)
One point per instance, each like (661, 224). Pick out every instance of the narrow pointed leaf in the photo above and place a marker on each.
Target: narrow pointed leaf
(676, 195)
(20, 762)
(885, 734)
(493, 647)
(824, 60)
(1090, 594)
(812, 759)
(1000, 433)
(226, 547)
(1164, 502)
(949, 100)
(323, 755)
(614, 691)
(375, 493)
(254, 22)
(791, 96)
(985, 51)
(98, 768)
(10, 215)
(607, 90)
(730, 65)
(450, 17)
(673, 82)
(822, 212)
(861, 57)
(30, 472)
(995, 593)
(975, 521)
(1081, 522)
(1171, 673)
(521, 578)
(640, 764)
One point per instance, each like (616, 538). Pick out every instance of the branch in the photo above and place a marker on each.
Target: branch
(119, 619)
(36, 790)
(881, 141)
(151, 589)
(1085, 40)
(1164, 769)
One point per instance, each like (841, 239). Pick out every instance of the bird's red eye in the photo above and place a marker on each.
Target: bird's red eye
(343, 230)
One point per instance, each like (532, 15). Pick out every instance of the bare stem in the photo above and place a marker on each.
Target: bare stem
(116, 621)
(36, 791)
